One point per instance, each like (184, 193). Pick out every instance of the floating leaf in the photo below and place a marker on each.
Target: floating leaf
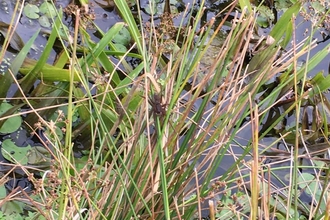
(151, 9)
(265, 17)
(11, 124)
(3, 191)
(44, 21)
(280, 204)
(64, 31)
(283, 4)
(48, 9)
(317, 6)
(58, 135)
(122, 37)
(31, 11)
(38, 155)
(11, 208)
(121, 48)
(14, 153)
(307, 182)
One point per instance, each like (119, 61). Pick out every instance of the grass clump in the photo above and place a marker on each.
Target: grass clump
(154, 136)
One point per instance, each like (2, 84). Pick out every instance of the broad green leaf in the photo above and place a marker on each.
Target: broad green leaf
(320, 83)
(129, 19)
(3, 191)
(259, 62)
(31, 11)
(17, 63)
(308, 183)
(38, 155)
(14, 153)
(82, 108)
(280, 27)
(48, 9)
(44, 21)
(279, 216)
(123, 37)
(12, 209)
(123, 85)
(81, 162)
(102, 44)
(6, 78)
(245, 4)
(48, 72)
(28, 81)
(121, 47)
(151, 9)
(265, 16)
(108, 116)
(286, 78)
(11, 124)
(57, 136)
(289, 31)
(281, 205)
(283, 4)
(317, 6)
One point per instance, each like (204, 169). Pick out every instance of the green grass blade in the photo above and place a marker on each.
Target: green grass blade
(132, 27)
(6, 79)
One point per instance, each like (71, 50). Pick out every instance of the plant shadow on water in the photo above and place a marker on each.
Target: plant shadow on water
(74, 102)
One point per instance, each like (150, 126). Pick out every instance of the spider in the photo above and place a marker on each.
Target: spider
(158, 108)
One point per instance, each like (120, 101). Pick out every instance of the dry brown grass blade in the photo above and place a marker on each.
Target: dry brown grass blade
(229, 92)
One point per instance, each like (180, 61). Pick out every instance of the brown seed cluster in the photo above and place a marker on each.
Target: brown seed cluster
(218, 185)
(86, 14)
(47, 186)
(317, 11)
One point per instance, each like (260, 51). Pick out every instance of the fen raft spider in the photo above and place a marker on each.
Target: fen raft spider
(157, 107)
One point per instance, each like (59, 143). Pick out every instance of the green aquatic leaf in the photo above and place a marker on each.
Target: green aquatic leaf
(58, 135)
(6, 79)
(44, 21)
(317, 6)
(48, 9)
(245, 4)
(280, 29)
(123, 37)
(38, 155)
(3, 191)
(279, 203)
(31, 11)
(121, 48)
(131, 24)
(14, 153)
(152, 8)
(320, 83)
(265, 16)
(48, 72)
(12, 209)
(283, 4)
(11, 124)
(308, 182)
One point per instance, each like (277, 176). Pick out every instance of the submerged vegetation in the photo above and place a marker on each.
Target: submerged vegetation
(161, 119)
